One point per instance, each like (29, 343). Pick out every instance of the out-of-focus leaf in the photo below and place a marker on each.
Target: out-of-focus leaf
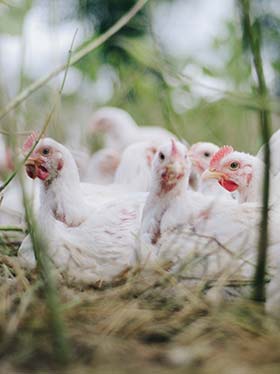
(5, 2)
(13, 18)
(208, 71)
(141, 49)
(276, 65)
(90, 64)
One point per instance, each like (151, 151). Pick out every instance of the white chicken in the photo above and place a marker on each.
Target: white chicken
(82, 159)
(201, 154)
(120, 130)
(87, 243)
(8, 215)
(274, 144)
(218, 235)
(131, 173)
(12, 210)
(102, 166)
(273, 291)
(11, 207)
(134, 170)
(6, 163)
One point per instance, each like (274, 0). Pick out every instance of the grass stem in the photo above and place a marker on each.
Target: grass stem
(254, 39)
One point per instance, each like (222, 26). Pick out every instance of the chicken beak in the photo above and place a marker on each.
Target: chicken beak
(32, 161)
(175, 169)
(212, 174)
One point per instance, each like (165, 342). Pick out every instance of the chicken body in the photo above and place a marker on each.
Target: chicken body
(212, 236)
(131, 170)
(274, 144)
(102, 166)
(135, 166)
(12, 211)
(87, 242)
(120, 130)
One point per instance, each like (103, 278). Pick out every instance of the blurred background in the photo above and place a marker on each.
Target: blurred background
(180, 64)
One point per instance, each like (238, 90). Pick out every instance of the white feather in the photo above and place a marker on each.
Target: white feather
(120, 129)
(87, 241)
(211, 234)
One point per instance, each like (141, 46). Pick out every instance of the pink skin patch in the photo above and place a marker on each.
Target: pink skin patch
(60, 217)
(219, 155)
(169, 178)
(9, 159)
(109, 164)
(174, 150)
(204, 214)
(60, 164)
(249, 178)
(150, 152)
(198, 166)
(166, 186)
(228, 185)
(42, 173)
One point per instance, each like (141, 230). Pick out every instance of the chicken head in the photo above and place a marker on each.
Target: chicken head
(171, 165)
(201, 154)
(45, 162)
(233, 170)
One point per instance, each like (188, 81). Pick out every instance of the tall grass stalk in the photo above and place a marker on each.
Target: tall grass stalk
(58, 332)
(40, 247)
(254, 39)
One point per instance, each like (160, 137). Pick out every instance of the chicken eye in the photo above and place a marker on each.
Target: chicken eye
(161, 156)
(206, 154)
(45, 151)
(234, 165)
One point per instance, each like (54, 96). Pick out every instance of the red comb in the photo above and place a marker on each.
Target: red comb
(29, 142)
(174, 149)
(221, 153)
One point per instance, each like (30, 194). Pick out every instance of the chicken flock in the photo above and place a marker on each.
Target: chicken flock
(146, 199)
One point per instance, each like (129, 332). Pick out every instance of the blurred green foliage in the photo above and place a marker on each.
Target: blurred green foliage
(104, 13)
(13, 18)
(149, 83)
